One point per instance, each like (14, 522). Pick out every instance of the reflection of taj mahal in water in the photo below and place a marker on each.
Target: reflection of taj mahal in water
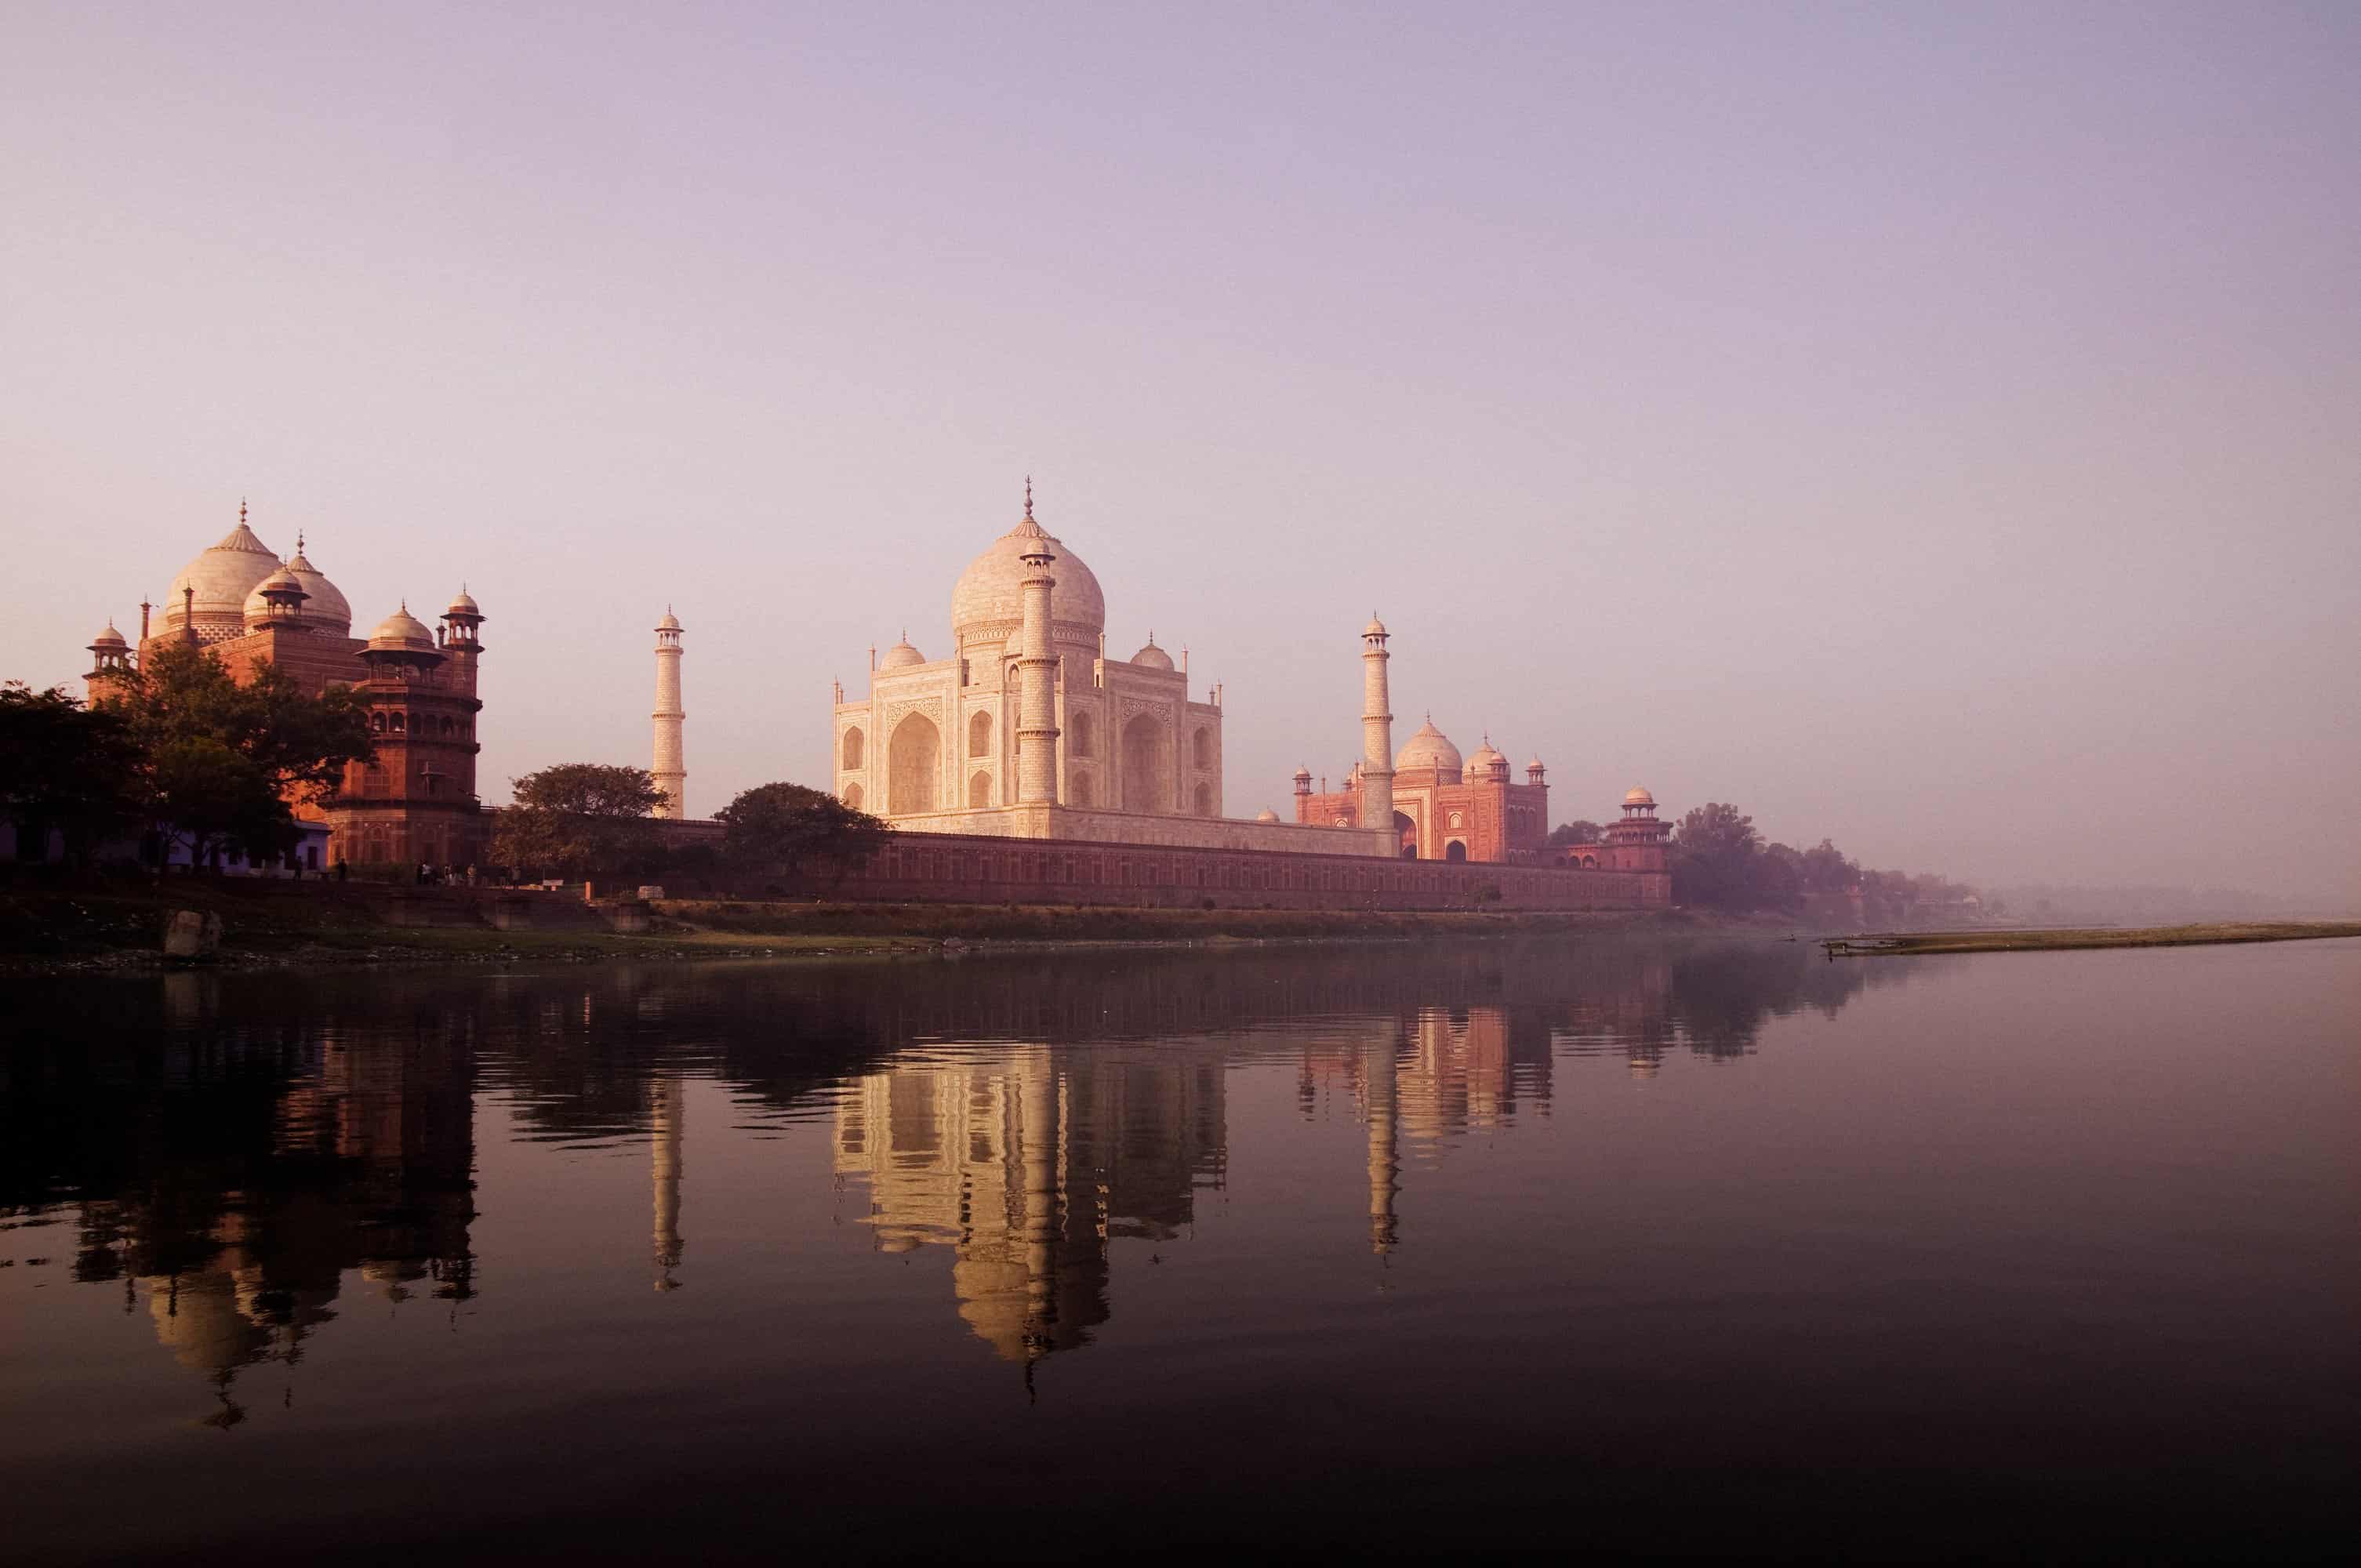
(1029, 1162)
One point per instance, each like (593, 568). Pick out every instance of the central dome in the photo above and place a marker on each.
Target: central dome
(223, 577)
(1430, 748)
(988, 605)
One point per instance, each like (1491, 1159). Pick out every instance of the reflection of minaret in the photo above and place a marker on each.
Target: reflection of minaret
(1043, 1209)
(671, 768)
(668, 1112)
(1385, 1155)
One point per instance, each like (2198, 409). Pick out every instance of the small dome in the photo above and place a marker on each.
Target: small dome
(327, 609)
(464, 603)
(1430, 748)
(110, 637)
(403, 633)
(1265, 815)
(988, 604)
(281, 584)
(901, 657)
(1375, 628)
(1535, 766)
(1152, 656)
(1486, 755)
(1639, 796)
(1304, 774)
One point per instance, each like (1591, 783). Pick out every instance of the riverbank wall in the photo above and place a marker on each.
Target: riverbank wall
(951, 868)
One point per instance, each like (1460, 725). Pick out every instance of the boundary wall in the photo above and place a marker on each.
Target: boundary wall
(952, 868)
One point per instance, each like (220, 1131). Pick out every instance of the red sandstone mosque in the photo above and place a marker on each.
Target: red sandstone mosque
(416, 803)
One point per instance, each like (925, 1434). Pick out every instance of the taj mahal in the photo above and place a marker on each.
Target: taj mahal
(1028, 728)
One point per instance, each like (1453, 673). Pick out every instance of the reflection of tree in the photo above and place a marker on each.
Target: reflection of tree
(230, 1173)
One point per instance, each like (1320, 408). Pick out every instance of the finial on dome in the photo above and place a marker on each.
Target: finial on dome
(1028, 498)
(241, 511)
(298, 550)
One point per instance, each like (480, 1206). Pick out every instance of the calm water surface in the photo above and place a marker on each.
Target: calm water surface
(1613, 1246)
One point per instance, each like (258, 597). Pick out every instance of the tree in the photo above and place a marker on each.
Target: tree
(1578, 831)
(236, 756)
(787, 830)
(580, 820)
(1714, 849)
(67, 767)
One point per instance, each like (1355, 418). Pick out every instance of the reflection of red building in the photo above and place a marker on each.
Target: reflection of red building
(416, 802)
(1446, 809)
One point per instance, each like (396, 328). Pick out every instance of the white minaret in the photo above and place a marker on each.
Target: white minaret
(671, 773)
(1037, 669)
(1377, 731)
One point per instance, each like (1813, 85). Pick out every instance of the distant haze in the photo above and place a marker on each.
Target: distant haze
(1936, 427)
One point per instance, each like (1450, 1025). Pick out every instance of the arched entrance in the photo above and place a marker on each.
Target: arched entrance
(979, 792)
(1145, 770)
(1455, 850)
(1406, 835)
(913, 766)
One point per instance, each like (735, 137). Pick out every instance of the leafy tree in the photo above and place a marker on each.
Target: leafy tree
(1578, 831)
(580, 820)
(67, 767)
(234, 757)
(788, 830)
(1714, 850)
(211, 797)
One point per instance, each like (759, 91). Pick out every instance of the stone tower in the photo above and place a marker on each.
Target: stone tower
(1037, 669)
(1377, 731)
(670, 771)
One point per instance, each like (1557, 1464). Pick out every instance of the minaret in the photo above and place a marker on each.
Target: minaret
(670, 771)
(1377, 731)
(1036, 668)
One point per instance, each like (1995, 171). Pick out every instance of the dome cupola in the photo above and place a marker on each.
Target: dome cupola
(1431, 748)
(212, 590)
(1152, 657)
(988, 604)
(278, 598)
(402, 633)
(903, 655)
(324, 609)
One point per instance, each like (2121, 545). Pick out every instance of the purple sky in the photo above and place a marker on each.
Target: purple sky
(1938, 428)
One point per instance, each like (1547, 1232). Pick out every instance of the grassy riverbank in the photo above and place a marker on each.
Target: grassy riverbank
(109, 925)
(1910, 944)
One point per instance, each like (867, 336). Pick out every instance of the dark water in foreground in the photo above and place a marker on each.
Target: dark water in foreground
(1596, 1247)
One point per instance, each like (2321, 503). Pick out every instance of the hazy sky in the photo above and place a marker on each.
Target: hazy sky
(1935, 427)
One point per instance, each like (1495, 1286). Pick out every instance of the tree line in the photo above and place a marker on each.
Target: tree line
(593, 822)
(1721, 861)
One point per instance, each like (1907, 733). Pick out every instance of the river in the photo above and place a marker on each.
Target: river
(1591, 1244)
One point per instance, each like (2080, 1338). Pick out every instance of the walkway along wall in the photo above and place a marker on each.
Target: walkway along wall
(961, 869)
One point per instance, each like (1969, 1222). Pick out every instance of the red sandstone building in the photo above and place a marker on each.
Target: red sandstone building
(1445, 808)
(415, 802)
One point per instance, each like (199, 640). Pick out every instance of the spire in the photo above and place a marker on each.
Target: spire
(241, 515)
(1028, 498)
(298, 550)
